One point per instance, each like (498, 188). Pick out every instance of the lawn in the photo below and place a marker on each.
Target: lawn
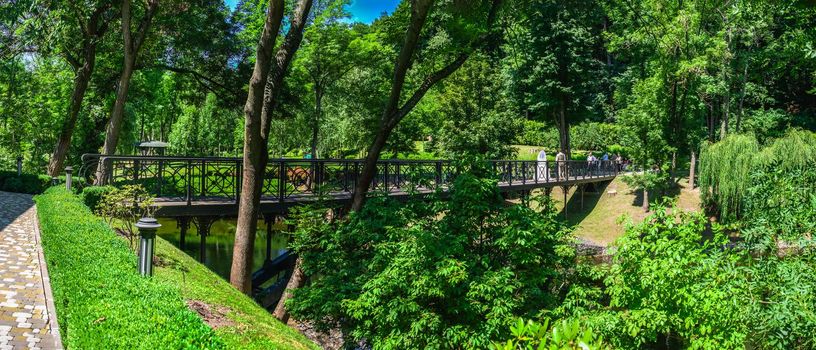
(102, 302)
(597, 218)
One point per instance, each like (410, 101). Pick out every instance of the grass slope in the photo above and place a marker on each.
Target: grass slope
(597, 219)
(101, 301)
(248, 326)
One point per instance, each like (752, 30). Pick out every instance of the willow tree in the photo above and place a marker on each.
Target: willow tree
(264, 92)
(725, 169)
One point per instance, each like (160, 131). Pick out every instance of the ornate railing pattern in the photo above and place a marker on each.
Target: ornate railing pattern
(193, 179)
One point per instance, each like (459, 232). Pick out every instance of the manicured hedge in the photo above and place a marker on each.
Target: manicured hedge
(26, 183)
(101, 301)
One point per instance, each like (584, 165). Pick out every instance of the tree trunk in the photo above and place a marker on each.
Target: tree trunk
(115, 123)
(392, 114)
(258, 110)
(316, 121)
(419, 13)
(83, 77)
(131, 49)
(563, 131)
(645, 200)
(92, 31)
(673, 172)
(297, 280)
(254, 153)
(692, 169)
(740, 109)
(726, 100)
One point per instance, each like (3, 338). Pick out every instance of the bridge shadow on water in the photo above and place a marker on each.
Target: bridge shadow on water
(12, 206)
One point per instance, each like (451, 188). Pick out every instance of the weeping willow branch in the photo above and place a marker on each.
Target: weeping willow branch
(726, 167)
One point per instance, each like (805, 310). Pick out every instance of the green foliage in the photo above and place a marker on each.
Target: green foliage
(564, 335)
(126, 205)
(102, 302)
(670, 281)
(26, 183)
(204, 131)
(650, 180)
(432, 274)
(736, 172)
(92, 196)
(724, 173)
(779, 205)
(675, 281)
(475, 126)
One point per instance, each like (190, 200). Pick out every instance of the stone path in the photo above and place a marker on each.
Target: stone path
(27, 318)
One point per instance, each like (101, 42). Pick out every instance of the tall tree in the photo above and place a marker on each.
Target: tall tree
(264, 90)
(557, 75)
(82, 58)
(326, 58)
(395, 107)
(132, 44)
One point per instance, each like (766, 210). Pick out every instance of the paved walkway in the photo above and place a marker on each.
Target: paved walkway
(27, 319)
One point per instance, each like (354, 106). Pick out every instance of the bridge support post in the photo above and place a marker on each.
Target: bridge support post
(203, 225)
(269, 219)
(565, 189)
(583, 188)
(184, 226)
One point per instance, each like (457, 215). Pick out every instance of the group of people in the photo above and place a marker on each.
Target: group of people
(617, 159)
(542, 169)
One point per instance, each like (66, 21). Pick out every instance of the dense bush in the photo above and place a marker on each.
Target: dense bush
(668, 285)
(438, 274)
(674, 282)
(92, 195)
(26, 183)
(102, 302)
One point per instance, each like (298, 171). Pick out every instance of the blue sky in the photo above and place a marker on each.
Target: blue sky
(361, 10)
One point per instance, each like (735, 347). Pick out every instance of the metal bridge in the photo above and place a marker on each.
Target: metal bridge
(199, 190)
(195, 186)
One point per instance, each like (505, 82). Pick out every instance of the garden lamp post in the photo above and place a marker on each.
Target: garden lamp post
(19, 165)
(147, 230)
(68, 172)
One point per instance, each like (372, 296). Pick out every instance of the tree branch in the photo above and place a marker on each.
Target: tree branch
(199, 77)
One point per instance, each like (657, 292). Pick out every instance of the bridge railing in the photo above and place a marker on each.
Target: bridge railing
(218, 178)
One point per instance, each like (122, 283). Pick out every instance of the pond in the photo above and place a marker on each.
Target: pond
(220, 242)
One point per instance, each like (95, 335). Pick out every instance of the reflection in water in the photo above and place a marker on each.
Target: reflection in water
(220, 243)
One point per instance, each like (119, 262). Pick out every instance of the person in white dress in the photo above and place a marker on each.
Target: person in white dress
(541, 166)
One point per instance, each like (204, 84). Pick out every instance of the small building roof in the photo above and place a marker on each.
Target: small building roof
(152, 144)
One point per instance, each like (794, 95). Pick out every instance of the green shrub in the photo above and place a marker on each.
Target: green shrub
(433, 274)
(92, 195)
(102, 302)
(564, 335)
(26, 183)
